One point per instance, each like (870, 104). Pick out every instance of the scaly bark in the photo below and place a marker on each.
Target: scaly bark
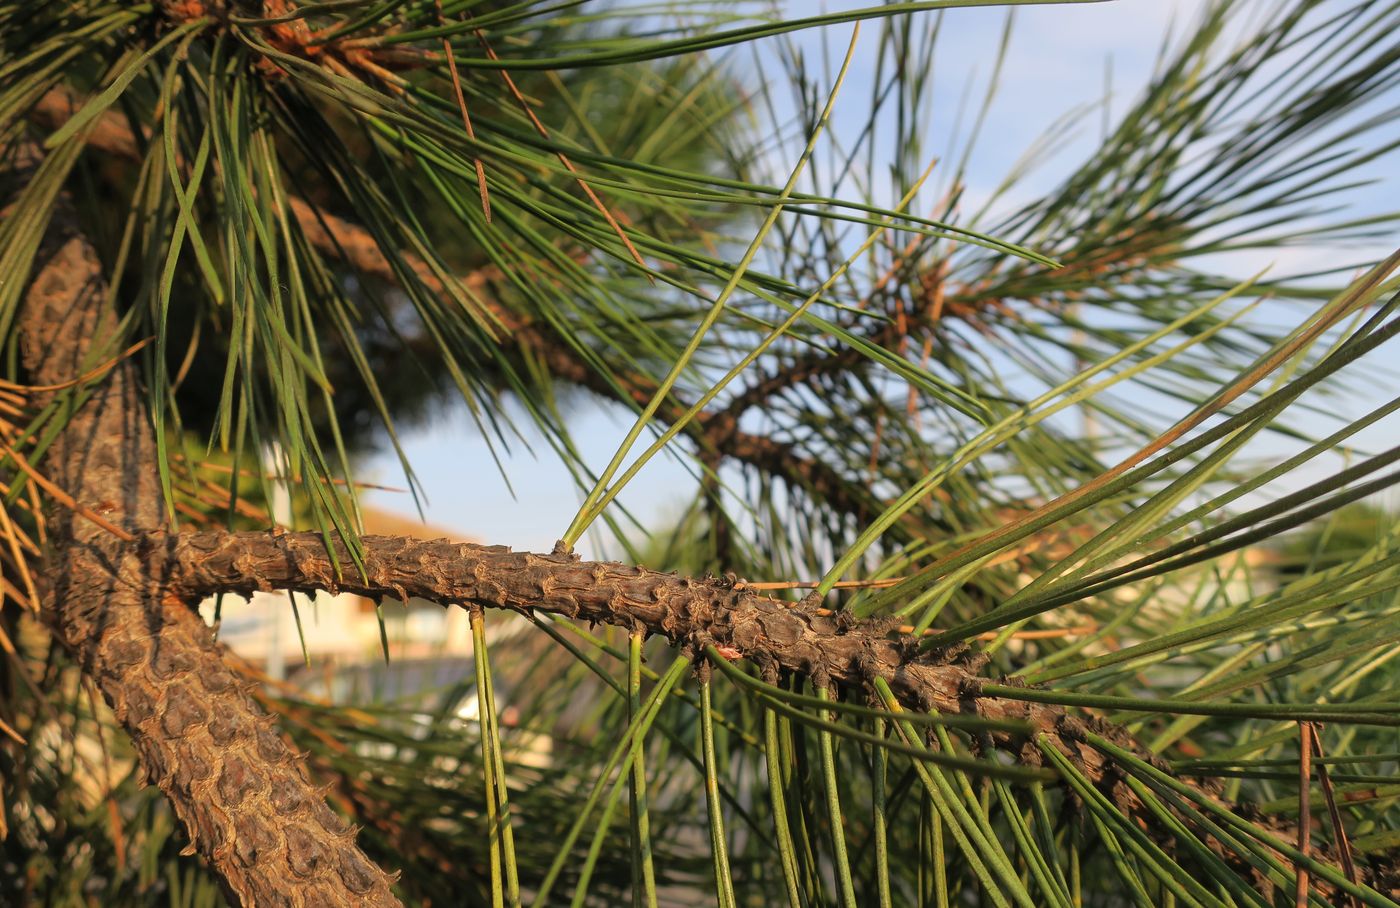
(828, 648)
(242, 794)
(796, 637)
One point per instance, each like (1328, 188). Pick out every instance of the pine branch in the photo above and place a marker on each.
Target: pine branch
(928, 308)
(829, 648)
(356, 246)
(801, 370)
(798, 637)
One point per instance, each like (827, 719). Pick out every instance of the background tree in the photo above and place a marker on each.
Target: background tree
(1035, 668)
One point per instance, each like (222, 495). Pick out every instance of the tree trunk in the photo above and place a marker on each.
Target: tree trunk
(242, 794)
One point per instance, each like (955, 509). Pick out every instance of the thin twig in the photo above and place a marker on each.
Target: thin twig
(466, 118)
(1305, 751)
(81, 379)
(563, 158)
(1339, 830)
(13, 540)
(295, 480)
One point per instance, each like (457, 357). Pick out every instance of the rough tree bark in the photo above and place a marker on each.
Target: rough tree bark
(242, 794)
(797, 637)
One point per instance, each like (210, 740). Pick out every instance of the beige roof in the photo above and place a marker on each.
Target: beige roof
(387, 523)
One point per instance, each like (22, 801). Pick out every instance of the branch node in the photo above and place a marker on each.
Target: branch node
(970, 688)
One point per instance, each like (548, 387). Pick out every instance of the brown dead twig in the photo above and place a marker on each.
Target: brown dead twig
(1339, 829)
(287, 32)
(1305, 753)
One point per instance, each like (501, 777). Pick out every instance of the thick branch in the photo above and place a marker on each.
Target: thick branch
(686, 611)
(773, 633)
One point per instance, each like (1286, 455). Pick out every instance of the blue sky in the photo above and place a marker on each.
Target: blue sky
(1059, 58)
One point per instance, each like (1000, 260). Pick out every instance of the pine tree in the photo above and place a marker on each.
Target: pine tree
(966, 608)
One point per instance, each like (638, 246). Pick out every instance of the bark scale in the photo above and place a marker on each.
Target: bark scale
(243, 795)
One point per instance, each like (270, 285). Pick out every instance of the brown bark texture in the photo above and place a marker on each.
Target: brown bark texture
(243, 795)
(798, 637)
(687, 611)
